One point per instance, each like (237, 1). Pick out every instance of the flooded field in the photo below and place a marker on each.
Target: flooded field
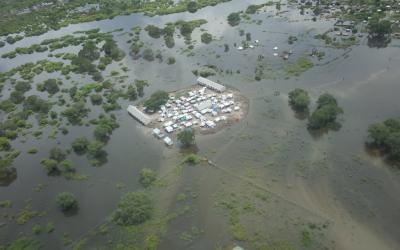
(265, 182)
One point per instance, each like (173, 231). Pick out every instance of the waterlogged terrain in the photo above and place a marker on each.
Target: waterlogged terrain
(265, 182)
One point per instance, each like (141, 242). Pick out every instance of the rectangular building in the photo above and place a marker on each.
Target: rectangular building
(210, 84)
(203, 105)
(139, 115)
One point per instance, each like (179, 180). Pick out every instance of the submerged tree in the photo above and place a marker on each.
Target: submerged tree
(326, 112)
(299, 99)
(156, 100)
(187, 137)
(134, 208)
(66, 201)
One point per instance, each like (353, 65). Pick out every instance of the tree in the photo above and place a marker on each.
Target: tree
(299, 99)
(17, 97)
(96, 99)
(76, 112)
(140, 84)
(131, 93)
(22, 86)
(89, 51)
(24, 243)
(156, 100)
(234, 19)
(148, 54)
(206, 38)
(147, 177)
(51, 166)
(153, 31)
(323, 116)
(326, 99)
(102, 132)
(134, 208)
(80, 144)
(379, 133)
(50, 85)
(66, 201)
(4, 144)
(379, 28)
(326, 112)
(57, 154)
(192, 6)
(95, 149)
(36, 104)
(187, 137)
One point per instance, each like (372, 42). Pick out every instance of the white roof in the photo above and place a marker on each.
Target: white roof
(139, 115)
(168, 141)
(210, 84)
(156, 131)
(203, 105)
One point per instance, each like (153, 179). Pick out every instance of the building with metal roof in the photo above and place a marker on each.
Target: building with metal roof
(210, 84)
(139, 115)
(203, 105)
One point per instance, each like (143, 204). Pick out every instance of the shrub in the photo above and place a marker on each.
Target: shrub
(206, 38)
(147, 177)
(66, 201)
(299, 99)
(234, 19)
(134, 208)
(80, 144)
(156, 100)
(186, 137)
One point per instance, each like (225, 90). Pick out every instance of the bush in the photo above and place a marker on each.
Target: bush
(147, 177)
(192, 6)
(80, 144)
(57, 154)
(156, 100)
(95, 149)
(134, 208)
(299, 99)
(186, 137)
(386, 136)
(192, 159)
(4, 144)
(206, 38)
(326, 112)
(234, 19)
(24, 243)
(153, 31)
(51, 166)
(96, 99)
(66, 201)
(148, 54)
(171, 60)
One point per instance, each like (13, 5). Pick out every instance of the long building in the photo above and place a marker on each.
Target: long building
(210, 84)
(139, 115)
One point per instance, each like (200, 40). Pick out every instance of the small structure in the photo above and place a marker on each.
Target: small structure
(203, 105)
(139, 115)
(168, 141)
(210, 84)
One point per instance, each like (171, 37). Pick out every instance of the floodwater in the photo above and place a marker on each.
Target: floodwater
(327, 179)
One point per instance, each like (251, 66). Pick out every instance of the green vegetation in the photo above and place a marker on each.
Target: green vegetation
(299, 99)
(192, 6)
(192, 159)
(104, 128)
(76, 112)
(379, 28)
(50, 85)
(147, 177)
(66, 201)
(171, 60)
(297, 68)
(134, 208)
(206, 38)
(61, 14)
(187, 138)
(24, 243)
(386, 136)
(234, 19)
(326, 112)
(156, 100)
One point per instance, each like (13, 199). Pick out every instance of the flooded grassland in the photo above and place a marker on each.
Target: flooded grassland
(264, 182)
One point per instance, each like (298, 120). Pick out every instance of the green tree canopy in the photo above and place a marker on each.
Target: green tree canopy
(80, 144)
(66, 201)
(299, 99)
(326, 112)
(134, 208)
(234, 19)
(187, 137)
(147, 177)
(157, 99)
